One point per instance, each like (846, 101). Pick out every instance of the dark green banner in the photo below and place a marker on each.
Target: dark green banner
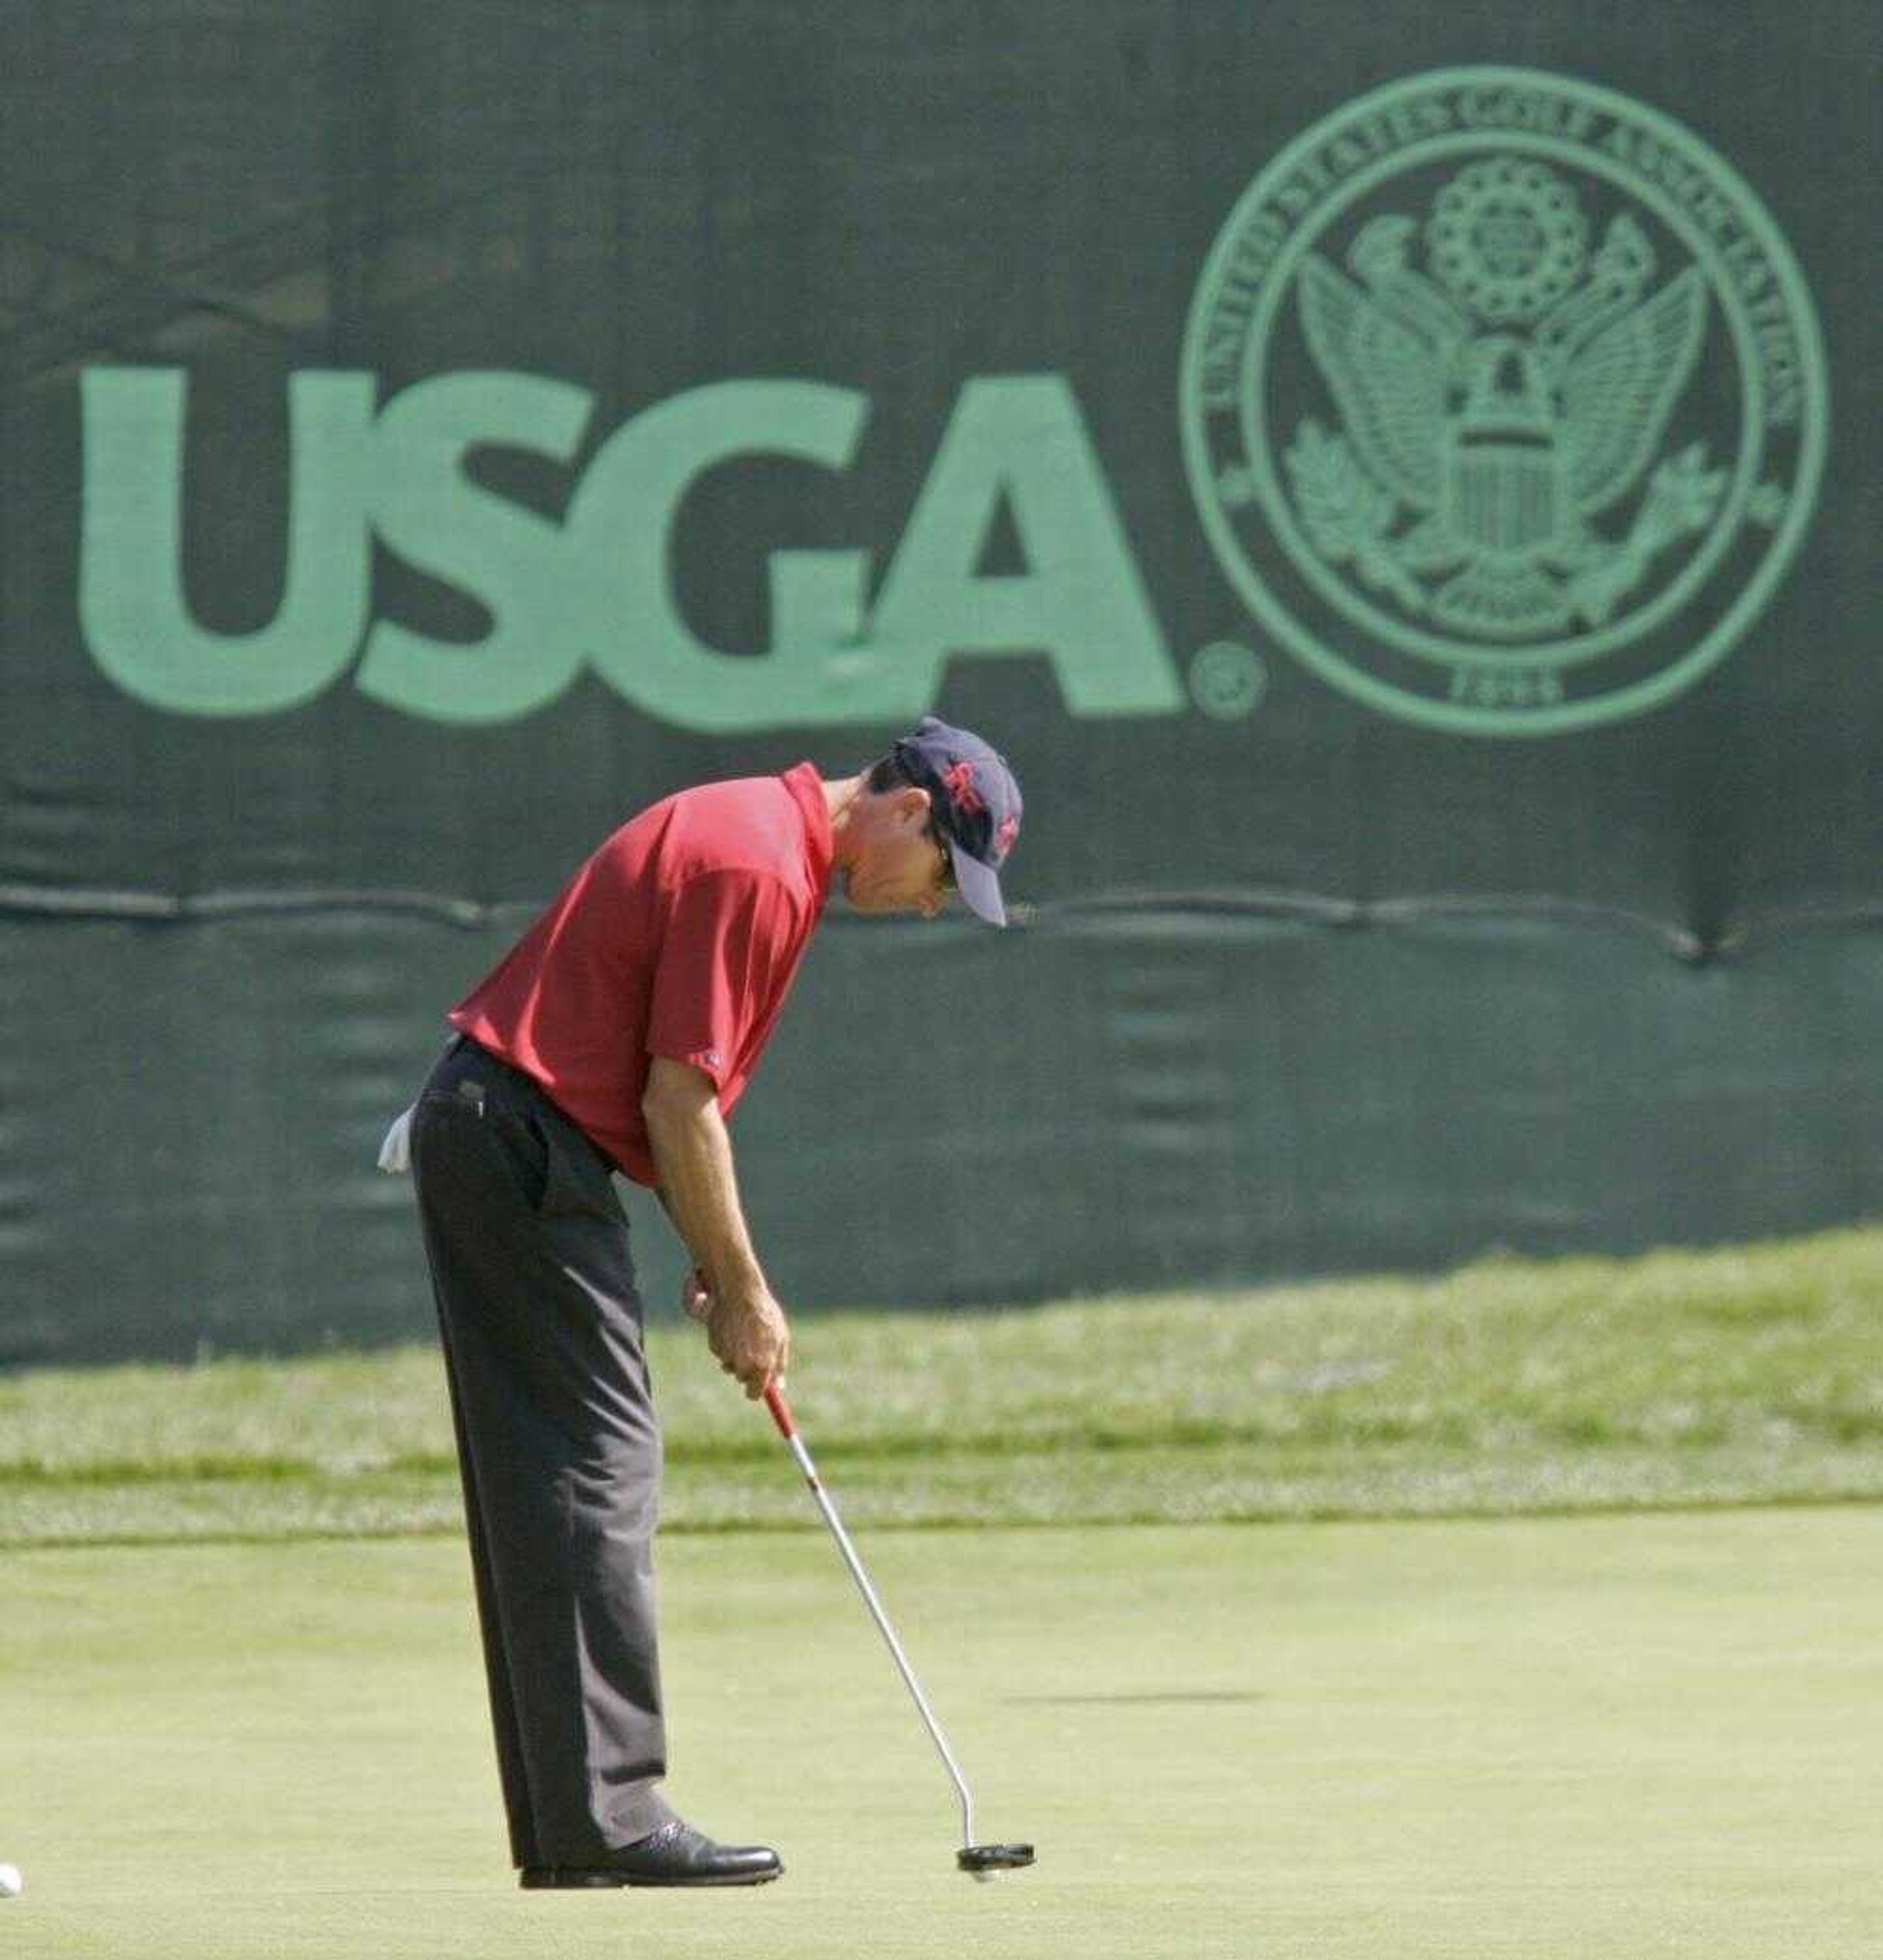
(1399, 488)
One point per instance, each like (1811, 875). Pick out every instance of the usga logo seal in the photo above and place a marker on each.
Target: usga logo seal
(1503, 402)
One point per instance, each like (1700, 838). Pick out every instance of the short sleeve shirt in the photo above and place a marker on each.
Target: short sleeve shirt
(681, 937)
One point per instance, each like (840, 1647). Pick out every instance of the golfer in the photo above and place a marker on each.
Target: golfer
(618, 1034)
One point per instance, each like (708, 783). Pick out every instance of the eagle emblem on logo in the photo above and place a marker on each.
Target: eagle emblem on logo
(1495, 408)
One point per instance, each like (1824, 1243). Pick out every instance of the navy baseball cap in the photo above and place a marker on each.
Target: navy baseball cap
(975, 804)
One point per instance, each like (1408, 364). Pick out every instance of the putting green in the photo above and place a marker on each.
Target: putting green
(1608, 1737)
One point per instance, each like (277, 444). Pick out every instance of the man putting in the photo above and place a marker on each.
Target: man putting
(618, 1033)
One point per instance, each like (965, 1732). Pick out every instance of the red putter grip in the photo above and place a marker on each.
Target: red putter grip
(781, 1411)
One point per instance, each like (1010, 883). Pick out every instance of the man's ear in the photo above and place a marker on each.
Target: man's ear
(912, 802)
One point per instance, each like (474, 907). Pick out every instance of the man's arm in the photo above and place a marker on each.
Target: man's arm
(696, 1296)
(666, 1205)
(696, 1292)
(692, 1152)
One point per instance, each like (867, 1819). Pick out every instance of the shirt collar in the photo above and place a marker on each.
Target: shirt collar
(805, 784)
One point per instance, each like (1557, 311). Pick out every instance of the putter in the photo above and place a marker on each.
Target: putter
(980, 1861)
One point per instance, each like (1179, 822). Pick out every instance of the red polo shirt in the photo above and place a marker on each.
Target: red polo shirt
(680, 937)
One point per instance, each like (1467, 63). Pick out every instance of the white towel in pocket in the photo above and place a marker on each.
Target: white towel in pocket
(394, 1154)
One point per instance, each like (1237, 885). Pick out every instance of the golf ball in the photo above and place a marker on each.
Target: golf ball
(11, 1884)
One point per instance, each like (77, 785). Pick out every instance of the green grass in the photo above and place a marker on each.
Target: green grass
(1681, 1378)
(1451, 1739)
(1620, 1737)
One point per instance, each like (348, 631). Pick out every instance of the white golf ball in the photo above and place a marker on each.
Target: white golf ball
(11, 1884)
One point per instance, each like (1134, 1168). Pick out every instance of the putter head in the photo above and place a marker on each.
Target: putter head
(982, 1861)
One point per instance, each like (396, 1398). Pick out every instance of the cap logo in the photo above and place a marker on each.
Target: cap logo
(1003, 836)
(964, 790)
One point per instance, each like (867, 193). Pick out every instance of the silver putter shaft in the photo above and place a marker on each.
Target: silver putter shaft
(982, 1860)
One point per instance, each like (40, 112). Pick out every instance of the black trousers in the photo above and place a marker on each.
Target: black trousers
(560, 1449)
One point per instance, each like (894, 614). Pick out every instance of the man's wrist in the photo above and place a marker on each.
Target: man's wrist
(741, 1285)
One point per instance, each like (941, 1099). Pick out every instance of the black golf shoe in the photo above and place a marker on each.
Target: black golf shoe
(676, 1854)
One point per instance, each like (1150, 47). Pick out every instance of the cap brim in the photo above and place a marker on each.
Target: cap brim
(978, 885)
